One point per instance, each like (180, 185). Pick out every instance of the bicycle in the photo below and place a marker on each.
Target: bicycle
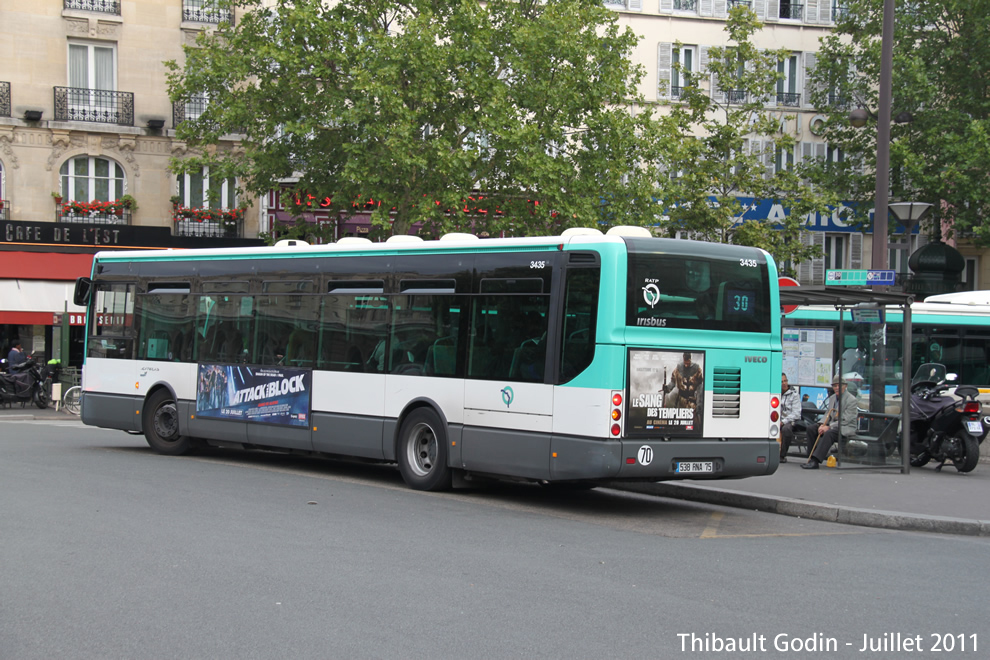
(71, 399)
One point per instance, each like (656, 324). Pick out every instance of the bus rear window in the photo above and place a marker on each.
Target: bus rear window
(698, 292)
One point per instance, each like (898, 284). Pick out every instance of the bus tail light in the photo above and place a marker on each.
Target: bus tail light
(615, 430)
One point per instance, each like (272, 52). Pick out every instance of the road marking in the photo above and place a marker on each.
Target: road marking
(712, 530)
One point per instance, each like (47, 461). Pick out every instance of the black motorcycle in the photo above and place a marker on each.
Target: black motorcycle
(944, 428)
(23, 383)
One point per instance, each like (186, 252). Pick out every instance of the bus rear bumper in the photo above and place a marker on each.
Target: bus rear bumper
(649, 460)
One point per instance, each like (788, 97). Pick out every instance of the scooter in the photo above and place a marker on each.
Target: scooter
(944, 428)
(23, 383)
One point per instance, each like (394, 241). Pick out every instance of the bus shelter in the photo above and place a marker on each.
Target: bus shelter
(882, 437)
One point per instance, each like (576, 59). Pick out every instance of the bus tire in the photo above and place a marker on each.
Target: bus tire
(422, 451)
(161, 425)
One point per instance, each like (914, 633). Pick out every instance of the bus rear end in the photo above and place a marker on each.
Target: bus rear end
(690, 337)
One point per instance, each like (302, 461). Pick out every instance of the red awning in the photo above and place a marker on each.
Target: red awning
(44, 266)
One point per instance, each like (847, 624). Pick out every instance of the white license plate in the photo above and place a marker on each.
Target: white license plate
(690, 467)
(974, 427)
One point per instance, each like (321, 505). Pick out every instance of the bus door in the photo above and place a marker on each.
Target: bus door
(508, 394)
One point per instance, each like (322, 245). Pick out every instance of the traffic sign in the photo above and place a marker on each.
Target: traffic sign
(859, 277)
(787, 281)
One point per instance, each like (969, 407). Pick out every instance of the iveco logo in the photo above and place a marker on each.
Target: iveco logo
(755, 358)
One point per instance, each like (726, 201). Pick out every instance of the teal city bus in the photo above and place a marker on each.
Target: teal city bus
(577, 359)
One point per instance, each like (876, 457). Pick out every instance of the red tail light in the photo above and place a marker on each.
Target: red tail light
(774, 416)
(616, 400)
(774, 402)
(972, 408)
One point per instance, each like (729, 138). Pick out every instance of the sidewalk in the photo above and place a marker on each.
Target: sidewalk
(947, 502)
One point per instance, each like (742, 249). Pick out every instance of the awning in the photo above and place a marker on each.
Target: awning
(840, 296)
(37, 302)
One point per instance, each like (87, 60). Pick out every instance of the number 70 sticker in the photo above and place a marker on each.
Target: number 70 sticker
(645, 455)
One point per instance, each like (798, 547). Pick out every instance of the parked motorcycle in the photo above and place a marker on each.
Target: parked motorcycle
(943, 427)
(25, 382)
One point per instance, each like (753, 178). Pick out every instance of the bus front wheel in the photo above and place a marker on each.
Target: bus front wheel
(161, 425)
(422, 451)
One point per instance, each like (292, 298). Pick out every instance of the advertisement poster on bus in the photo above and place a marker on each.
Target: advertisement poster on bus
(666, 393)
(275, 395)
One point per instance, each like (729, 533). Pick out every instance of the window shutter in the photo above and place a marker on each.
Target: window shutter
(636, 5)
(760, 7)
(705, 7)
(856, 251)
(667, 7)
(664, 67)
(818, 265)
(720, 8)
(812, 11)
(769, 159)
(810, 60)
(773, 10)
(703, 60)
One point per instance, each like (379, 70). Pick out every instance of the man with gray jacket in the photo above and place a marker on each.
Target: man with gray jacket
(841, 414)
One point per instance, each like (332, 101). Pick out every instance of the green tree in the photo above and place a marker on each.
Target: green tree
(730, 150)
(506, 115)
(940, 137)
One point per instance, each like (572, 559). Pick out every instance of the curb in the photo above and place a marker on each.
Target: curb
(814, 510)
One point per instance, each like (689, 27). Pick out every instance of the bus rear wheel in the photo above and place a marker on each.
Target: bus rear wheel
(161, 425)
(422, 451)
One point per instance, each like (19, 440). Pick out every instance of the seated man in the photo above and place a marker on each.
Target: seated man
(822, 436)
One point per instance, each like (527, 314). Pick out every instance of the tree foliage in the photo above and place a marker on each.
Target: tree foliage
(940, 138)
(729, 150)
(503, 115)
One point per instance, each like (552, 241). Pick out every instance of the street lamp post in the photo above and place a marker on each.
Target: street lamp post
(879, 261)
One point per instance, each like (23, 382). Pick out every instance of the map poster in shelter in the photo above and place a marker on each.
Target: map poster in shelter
(666, 393)
(275, 395)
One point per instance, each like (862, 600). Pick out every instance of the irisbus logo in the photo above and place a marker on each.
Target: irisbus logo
(755, 358)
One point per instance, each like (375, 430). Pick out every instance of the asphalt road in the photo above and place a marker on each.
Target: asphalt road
(111, 551)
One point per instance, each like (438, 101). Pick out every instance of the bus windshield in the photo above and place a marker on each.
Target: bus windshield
(698, 291)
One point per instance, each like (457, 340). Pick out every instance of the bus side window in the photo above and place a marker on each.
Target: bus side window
(577, 348)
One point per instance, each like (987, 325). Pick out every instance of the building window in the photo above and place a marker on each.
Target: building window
(90, 178)
(835, 247)
(91, 67)
(686, 56)
(784, 160)
(198, 190)
(787, 87)
(791, 10)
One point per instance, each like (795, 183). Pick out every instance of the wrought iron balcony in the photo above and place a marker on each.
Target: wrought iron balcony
(102, 6)
(4, 209)
(205, 11)
(209, 228)
(675, 91)
(686, 5)
(739, 3)
(792, 11)
(838, 101)
(789, 99)
(736, 96)
(101, 106)
(188, 110)
(122, 217)
(4, 99)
